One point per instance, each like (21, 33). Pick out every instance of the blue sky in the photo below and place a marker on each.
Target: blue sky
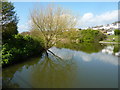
(91, 13)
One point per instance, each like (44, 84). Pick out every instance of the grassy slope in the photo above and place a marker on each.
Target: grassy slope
(110, 38)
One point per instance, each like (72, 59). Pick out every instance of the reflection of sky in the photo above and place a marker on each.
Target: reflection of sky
(88, 70)
(78, 55)
(63, 53)
(23, 80)
(110, 50)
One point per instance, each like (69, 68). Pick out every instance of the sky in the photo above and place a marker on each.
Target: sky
(89, 13)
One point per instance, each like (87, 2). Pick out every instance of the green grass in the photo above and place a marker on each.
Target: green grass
(110, 38)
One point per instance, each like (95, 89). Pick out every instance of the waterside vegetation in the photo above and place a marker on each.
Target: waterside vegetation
(52, 26)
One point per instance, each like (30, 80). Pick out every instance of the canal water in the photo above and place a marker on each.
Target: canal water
(67, 66)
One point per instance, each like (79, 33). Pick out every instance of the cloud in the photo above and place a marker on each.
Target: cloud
(87, 20)
(90, 19)
(24, 27)
(68, 54)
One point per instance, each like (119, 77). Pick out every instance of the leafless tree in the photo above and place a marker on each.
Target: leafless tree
(51, 21)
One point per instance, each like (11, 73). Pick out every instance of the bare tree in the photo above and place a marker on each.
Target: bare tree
(51, 21)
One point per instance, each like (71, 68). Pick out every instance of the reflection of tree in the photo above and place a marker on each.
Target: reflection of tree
(6, 83)
(85, 47)
(9, 72)
(50, 71)
(113, 49)
(116, 48)
(53, 61)
(53, 71)
(55, 55)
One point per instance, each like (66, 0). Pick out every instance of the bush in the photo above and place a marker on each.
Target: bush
(35, 34)
(117, 32)
(20, 47)
(90, 35)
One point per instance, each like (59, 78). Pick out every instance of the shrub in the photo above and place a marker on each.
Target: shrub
(117, 32)
(20, 47)
(90, 35)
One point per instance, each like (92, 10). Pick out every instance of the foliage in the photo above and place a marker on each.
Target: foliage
(90, 35)
(71, 34)
(9, 20)
(85, 47)
(35, 34)
(117, 32)
(51, 21)
(20, 47)
(116, 48)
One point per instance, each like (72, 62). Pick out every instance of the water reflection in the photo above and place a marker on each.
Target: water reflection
(50, 71)
(85, 47)
(54, 73)
(65, 68)
(9, 73)
(106, 58)
(112, 49)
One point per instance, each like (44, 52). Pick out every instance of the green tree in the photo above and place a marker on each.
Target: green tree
(9, 20)
(117, 32)
(90, 35)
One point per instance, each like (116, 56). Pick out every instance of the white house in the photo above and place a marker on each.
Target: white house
(110, 32)
(115, 25)
(109, 27)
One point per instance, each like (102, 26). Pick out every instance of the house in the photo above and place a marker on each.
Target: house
(114, 25)
(110, 32)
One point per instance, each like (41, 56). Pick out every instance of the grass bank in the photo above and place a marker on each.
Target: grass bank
(112, 38)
